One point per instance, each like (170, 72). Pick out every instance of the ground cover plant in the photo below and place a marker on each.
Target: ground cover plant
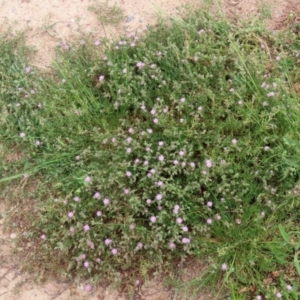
(183, 142)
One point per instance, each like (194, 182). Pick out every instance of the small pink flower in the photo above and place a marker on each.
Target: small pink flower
(289, 287)
(106, 201)
(97, 43)
(200, 108)
(130, 130)
(88, 288)
(159, 197)
(129, 140)
(126, 191)
(98, 213)
(183, 164)
(278, 295)
(258, 297)
(182, 100)
(153, 219)
(86, 264)
(86, 227)
(43, 236)
(72, 229)
(101, 78)
(185, 229)
(193, 165)
(139, 246)
(181, 153)
(140, 65)
(155, 121)
(22, 134)
(209, 204)
(278, 58)
(128, 174)
(128, 150)
(271, 94)
(186, 240)
(234, 141)
(172, 245)
(98, 260)
(160, 143)
(208, 163)
(161, 158)
(76, 199)
(27, 69)
(175, 162)
(150, 130)
(153, 112)
(136, 161)
(97, 195)
(209, 221)
(71, 214)
(77, 157)
(107, 242)
(38, 143)
(145, 163)
(88, 179)
(152, 171)
(179, 220)
(224, 267)
(148, 201)
(231, 90)
(114, 251)
(132, 226)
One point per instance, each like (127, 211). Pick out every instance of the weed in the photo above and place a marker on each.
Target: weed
(182, 142)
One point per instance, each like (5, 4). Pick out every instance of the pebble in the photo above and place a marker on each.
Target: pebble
(129, 19)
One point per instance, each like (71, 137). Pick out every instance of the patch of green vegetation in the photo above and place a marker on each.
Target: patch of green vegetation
(183, 142)
(108, 14)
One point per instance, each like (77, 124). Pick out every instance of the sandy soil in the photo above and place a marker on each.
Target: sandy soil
(48, 24)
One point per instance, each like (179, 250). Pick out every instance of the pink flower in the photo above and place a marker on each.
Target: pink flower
(160, 183)
(107, 242)
(175, 162)
(179, 220)
(88, 179)
(130, 130)
(86, 227)
(193, 165)
(224, 267)
(155, 121)
(76, 199)
(160, 143)
(140, 65)
(200, 108)
(153, 112)
(161, 158)
(150, 130)
(97, 195)
(136, 161)
(114, 251)
(88, 288)
(37, 143)
(234, 141)
(289, 287)
(159, 197)
(278, 295)
(98, 213)
(209, 204)
(186, 240)
(172, 245)
(185, 228)
(129, 140)
(106, 201)
(126, 191)
(101, 78)
(181, 153)
(27, 69)
(128, 174)
(132, 226)
(182, 100)
(22, 134)
(86, 264)
(208, 163)
(145, 163)
(271, 94)
(72, 229)
(153, 219)
(97, 43)
(128, 150)
(71, 214)
(43, 236)
(152, 171)
(98, 260)
(139, 246)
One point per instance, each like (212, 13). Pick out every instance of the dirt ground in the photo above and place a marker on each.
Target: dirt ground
(51, 22)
